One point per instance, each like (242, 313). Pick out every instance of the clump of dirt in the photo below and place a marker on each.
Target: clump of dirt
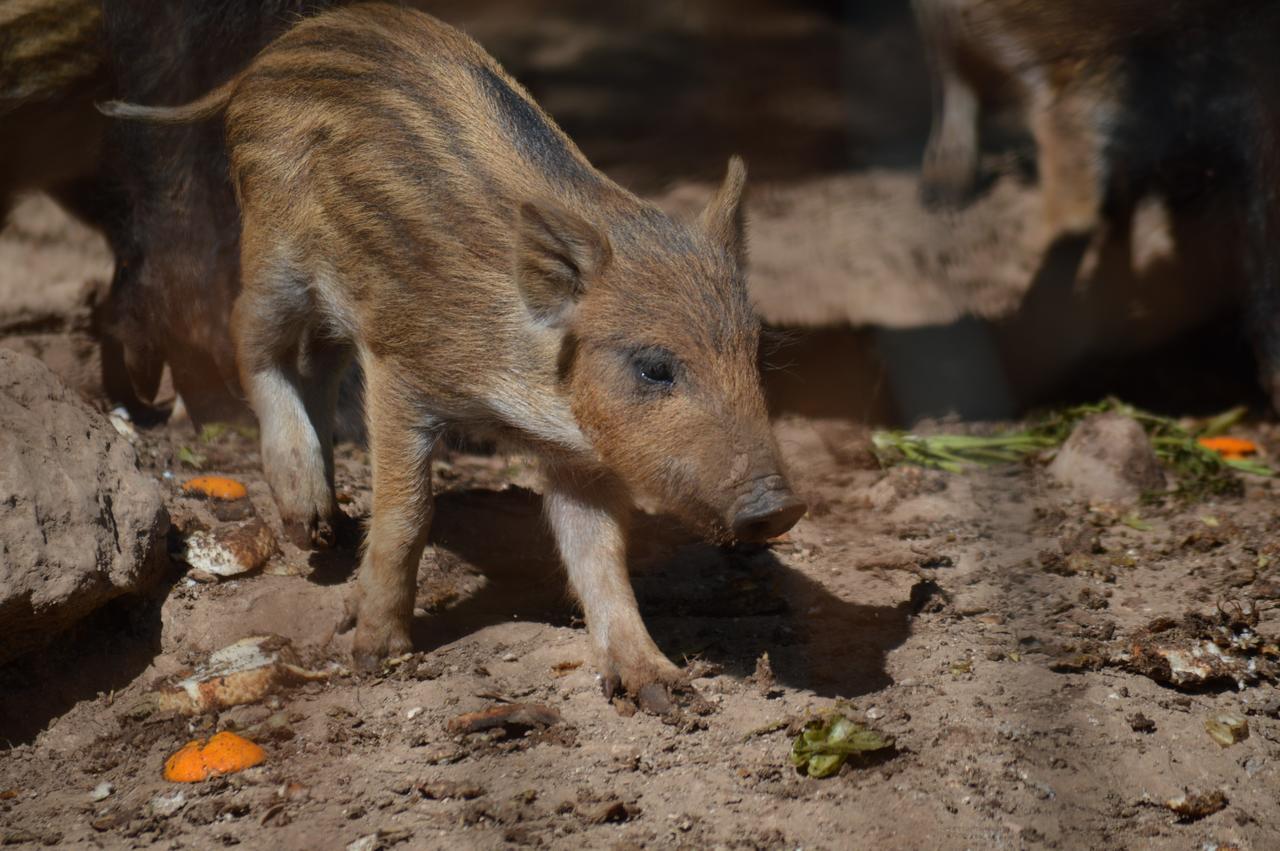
(1108, 458)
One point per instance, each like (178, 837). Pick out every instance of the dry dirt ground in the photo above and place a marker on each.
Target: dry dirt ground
(934, 606)
(968, 616)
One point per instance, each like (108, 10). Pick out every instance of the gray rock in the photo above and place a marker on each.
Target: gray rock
(79, 524)
(1108, 458)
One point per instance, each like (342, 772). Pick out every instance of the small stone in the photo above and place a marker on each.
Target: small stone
(610, 812)
(102, 791)
(413, 712)
(1193, 806)
(1108, 458)
(165, 805)
(365, 843)
(443, 790)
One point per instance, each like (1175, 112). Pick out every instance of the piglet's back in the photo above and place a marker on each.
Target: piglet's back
(395, 146)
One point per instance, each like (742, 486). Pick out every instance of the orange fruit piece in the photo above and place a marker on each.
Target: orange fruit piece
(186, 766)
(215, 487)
(1231, 448)
(225, 753)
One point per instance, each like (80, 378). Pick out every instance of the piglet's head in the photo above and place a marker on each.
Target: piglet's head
(659, 359)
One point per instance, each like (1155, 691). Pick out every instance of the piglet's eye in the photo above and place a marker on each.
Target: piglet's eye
(654, 368)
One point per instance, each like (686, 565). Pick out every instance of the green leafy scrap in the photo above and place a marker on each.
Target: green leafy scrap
(827, 742)
(955, 452)
(214, 432)
(191, 458)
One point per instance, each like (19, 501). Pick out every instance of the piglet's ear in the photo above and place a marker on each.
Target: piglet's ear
(557, 254)
(724, 218)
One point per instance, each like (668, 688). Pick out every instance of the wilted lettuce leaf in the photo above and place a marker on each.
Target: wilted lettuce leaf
(824, 745)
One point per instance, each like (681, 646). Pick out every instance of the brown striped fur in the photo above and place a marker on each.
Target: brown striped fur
(405, 201)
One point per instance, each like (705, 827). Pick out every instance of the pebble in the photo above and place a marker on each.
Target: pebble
(168, 804)
(102, 791)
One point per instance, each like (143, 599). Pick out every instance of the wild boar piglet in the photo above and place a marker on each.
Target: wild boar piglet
(404, 200)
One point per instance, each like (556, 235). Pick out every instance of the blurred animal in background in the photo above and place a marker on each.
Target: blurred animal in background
(161, 195)
(1125, 99)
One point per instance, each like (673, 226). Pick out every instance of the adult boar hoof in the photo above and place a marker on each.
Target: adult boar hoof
(314, 534)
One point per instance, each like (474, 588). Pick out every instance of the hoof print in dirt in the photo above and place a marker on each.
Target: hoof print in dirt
(1108, 458)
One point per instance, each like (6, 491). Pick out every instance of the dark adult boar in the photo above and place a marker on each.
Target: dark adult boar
(1124, 98)
(175, 233)
(404, 199)
(161, 196)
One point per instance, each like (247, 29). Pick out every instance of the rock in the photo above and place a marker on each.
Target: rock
(1108, 458)
(79, 524)
(166, 804)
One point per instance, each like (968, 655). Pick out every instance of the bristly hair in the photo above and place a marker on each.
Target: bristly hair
(773, 341)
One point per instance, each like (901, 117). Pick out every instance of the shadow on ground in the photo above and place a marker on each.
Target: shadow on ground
(726, 606)
(101, 654)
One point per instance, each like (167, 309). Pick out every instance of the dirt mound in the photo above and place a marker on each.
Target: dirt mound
(79, 524)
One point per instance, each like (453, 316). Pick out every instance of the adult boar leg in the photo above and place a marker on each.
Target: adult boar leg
(588, 519)
(949, 173)
(1067, 125)
(400, 444)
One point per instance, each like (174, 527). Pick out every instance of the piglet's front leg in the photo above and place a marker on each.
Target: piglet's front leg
(588, 519)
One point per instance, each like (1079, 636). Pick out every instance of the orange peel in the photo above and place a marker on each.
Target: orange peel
(225, 753)
(1231, 448)
(215, 487)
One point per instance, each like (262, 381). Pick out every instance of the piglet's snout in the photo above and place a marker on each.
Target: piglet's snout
(767, 510)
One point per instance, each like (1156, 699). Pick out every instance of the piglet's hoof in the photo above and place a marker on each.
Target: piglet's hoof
(655, 699)
(373, 646)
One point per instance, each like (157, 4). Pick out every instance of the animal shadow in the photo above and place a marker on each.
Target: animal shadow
(725, 606)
